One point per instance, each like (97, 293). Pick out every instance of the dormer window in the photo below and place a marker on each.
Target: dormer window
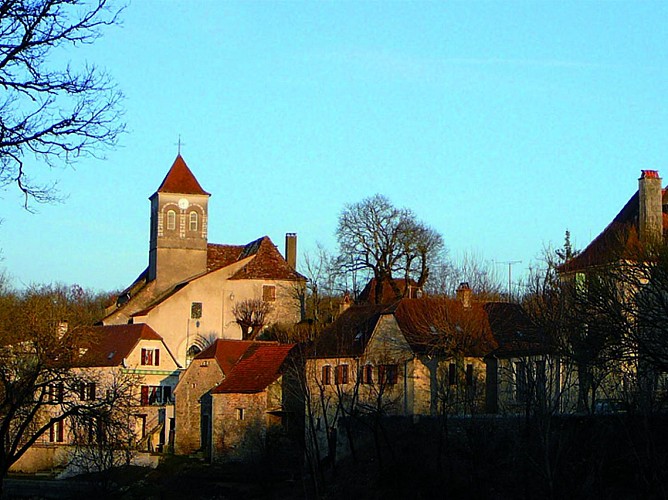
(150, 357)
(193, 221)
(171, 220)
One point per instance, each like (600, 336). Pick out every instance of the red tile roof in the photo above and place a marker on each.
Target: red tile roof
(618, 240)
(267, 264)
(432, 325)
(218, 256)
(445, 325)
(180, 179)
(226, 353)
(109, 345)
(260, 365)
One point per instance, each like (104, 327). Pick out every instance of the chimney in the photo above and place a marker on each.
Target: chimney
(464, 294)
(291, 249)
(651, 207)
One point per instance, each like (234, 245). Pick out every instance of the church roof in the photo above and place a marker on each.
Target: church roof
(260, 365)
(180, 180)
(267, 264)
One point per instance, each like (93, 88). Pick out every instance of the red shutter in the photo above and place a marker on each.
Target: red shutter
(144, 395)
(60, 431)
(157, 357)
(143, 356)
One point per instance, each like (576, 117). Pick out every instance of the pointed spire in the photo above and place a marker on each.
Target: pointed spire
(180, 180)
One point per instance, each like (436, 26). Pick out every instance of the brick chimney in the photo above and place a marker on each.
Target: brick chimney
(291, 249)
(464, 294)
(651, 207)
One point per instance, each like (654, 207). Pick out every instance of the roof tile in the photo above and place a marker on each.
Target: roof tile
(180, 179)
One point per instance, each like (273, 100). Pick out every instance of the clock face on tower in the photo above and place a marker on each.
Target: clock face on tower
(183, 204)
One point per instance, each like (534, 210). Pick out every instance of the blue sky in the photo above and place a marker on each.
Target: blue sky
(501, 124)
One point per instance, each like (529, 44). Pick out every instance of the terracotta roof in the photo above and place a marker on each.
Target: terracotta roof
(109, 345)
(618, 239)
(267, 264)
(226, 352)
(368, 295)
(433, 325)
(180, 179)
(444, 325)
(260, 365)
(218, 256)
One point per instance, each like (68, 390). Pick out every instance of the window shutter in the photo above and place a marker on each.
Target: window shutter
(157, 357)
(92, 391)
(60, 431)
(143, 356)
(144, 395)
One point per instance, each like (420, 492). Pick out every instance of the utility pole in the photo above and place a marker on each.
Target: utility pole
(510, 264)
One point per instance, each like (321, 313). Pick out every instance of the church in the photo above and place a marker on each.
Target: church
(188, 291)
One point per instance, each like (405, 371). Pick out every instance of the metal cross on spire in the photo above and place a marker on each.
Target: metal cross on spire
(178, 144)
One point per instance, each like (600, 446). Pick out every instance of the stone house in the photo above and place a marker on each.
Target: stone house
(255, 411)
(190, 287)
(413, 358)
(206, 371)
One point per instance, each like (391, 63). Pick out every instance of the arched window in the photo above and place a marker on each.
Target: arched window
(193, 221)
(193, 351)
(171, 220)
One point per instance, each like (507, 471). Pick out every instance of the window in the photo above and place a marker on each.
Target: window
(150, 357)
(520, 382)
(268, 293)
(341, 375)
(196, 310)
(240, 414)
(87, 391)
(171, 220)
(193, 221)
(155, 395)
(326, 375)
(469, 375)
(54, 392)
(56, 433)
(366, 374)
(452, 374)
(387, 374)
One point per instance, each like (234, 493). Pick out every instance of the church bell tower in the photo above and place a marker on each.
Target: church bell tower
(179, 216)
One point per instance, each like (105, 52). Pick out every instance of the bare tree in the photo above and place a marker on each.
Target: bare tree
(51, 114)
(251, 315)
(386, 241)
(481, 275)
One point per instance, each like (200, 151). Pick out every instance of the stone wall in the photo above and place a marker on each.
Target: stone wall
(202, 375)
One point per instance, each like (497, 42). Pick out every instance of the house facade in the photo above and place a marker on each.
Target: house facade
(129, 359)
(415, 358)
